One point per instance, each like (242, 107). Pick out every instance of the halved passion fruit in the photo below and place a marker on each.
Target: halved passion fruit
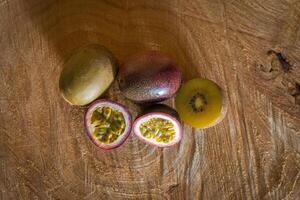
(159, 126)
(107, 123)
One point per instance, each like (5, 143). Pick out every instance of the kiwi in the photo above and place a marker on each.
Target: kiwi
(201, 103)
(87, 74)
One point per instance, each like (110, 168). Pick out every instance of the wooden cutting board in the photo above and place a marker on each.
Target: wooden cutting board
(250, 48)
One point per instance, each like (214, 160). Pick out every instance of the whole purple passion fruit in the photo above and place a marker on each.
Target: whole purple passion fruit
(107, 123)
(149, 77)
(159, 125)
(87, 74)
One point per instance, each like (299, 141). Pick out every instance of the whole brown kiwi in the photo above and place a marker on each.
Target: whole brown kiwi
(87, 74)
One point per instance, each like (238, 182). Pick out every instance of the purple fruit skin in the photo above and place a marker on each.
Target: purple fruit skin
(162, 108)
(149, 77)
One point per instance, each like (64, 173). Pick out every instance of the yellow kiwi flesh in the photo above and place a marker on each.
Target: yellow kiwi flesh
(200, 103)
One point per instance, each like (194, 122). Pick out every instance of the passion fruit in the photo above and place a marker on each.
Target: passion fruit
(87, 74)
(149, 77)
(201, 103)
(159, 125)
(107, 123)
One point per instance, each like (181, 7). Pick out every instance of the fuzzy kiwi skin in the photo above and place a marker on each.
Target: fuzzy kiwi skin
(87, 74)
(149, 77)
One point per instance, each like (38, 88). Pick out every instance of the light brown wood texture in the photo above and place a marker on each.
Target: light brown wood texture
(251, 48)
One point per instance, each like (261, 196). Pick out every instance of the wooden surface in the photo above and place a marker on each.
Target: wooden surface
(251, 48)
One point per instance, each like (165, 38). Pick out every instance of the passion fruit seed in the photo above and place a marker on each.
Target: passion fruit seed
(198, 102)
(159, 129)
(107, 124)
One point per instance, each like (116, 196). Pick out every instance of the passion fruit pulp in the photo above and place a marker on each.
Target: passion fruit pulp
(201, 103)
(149, 77)
(159, 125)
(108, 124)
(87, 74)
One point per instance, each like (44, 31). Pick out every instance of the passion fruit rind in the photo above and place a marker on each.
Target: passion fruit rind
(161, 108)
(121, 137)
(159, 125)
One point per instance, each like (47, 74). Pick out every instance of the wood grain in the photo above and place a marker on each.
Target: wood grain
(250, 48)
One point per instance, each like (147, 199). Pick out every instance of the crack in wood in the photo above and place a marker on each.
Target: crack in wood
(296, 93)
(285, 63)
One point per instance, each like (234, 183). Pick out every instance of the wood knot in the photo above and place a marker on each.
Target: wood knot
(267, 71)
(284, 62)
(278, 68)
(276, 64)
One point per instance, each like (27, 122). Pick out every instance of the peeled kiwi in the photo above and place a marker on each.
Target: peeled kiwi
(201, 103)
